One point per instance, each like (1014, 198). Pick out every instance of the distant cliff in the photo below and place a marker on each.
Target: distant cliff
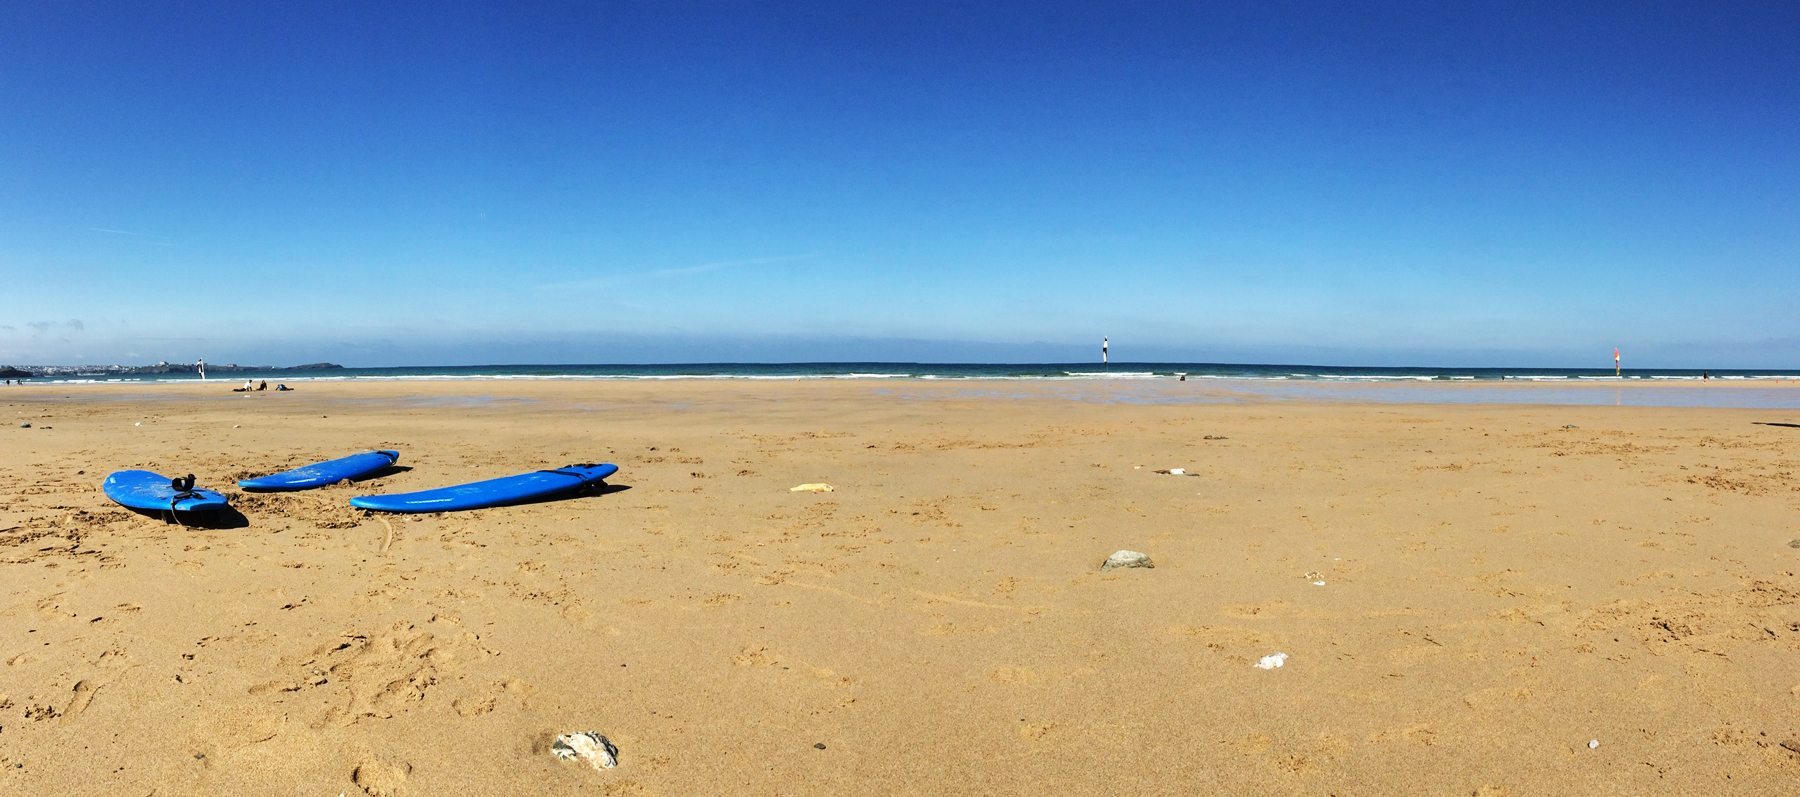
(9, 372)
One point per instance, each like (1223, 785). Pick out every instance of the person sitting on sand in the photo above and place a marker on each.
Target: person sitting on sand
(282, 387)
(263, 385)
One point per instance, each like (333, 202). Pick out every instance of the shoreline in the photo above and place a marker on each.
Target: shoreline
(1770, 394)
(1132, 376)
(1054, 372)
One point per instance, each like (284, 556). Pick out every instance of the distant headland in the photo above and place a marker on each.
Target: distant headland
(28, 371)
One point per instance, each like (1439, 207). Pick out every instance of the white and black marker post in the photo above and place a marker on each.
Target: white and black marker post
(200, 366)
(1103, 360)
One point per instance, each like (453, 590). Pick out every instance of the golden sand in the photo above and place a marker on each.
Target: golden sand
(1501, 585)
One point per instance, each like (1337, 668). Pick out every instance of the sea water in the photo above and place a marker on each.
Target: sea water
(1759, 388)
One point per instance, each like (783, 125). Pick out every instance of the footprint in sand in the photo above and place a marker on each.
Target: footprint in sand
(50, 608)
(113, 657)
(578, 614)
(374, 675)
(84, 694)
(381, 778)
(830, 677)
(755, 656)
(1422, 734)
(225, 731)
(473, 706)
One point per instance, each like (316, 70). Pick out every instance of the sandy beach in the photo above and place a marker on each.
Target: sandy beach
(1468, 595)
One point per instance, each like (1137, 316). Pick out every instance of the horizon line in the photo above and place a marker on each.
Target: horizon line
(924, 363)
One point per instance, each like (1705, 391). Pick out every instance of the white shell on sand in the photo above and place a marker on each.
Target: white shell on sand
(1271, 661)
(1127, 559)
(587, 746)
(812, 487)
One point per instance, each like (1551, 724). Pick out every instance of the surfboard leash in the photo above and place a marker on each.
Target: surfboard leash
(184, 488)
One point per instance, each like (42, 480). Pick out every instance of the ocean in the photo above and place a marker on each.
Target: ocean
(890, 370)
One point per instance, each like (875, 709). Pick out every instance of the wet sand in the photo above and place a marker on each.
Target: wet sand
(1502, 584)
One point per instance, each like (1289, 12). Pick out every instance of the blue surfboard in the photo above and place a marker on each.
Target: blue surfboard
(493, 492)
(141, 489)
(320, 474)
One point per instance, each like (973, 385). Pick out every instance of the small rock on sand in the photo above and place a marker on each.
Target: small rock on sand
(1127, 559)
(1794, 543)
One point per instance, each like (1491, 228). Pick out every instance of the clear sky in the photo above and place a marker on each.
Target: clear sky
(511, 182)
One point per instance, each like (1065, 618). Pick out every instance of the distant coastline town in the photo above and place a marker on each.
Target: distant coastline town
(30, 371)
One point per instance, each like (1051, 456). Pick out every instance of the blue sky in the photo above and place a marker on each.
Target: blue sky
(444, 183)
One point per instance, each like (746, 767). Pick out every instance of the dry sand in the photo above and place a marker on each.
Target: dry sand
(1499, 588)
